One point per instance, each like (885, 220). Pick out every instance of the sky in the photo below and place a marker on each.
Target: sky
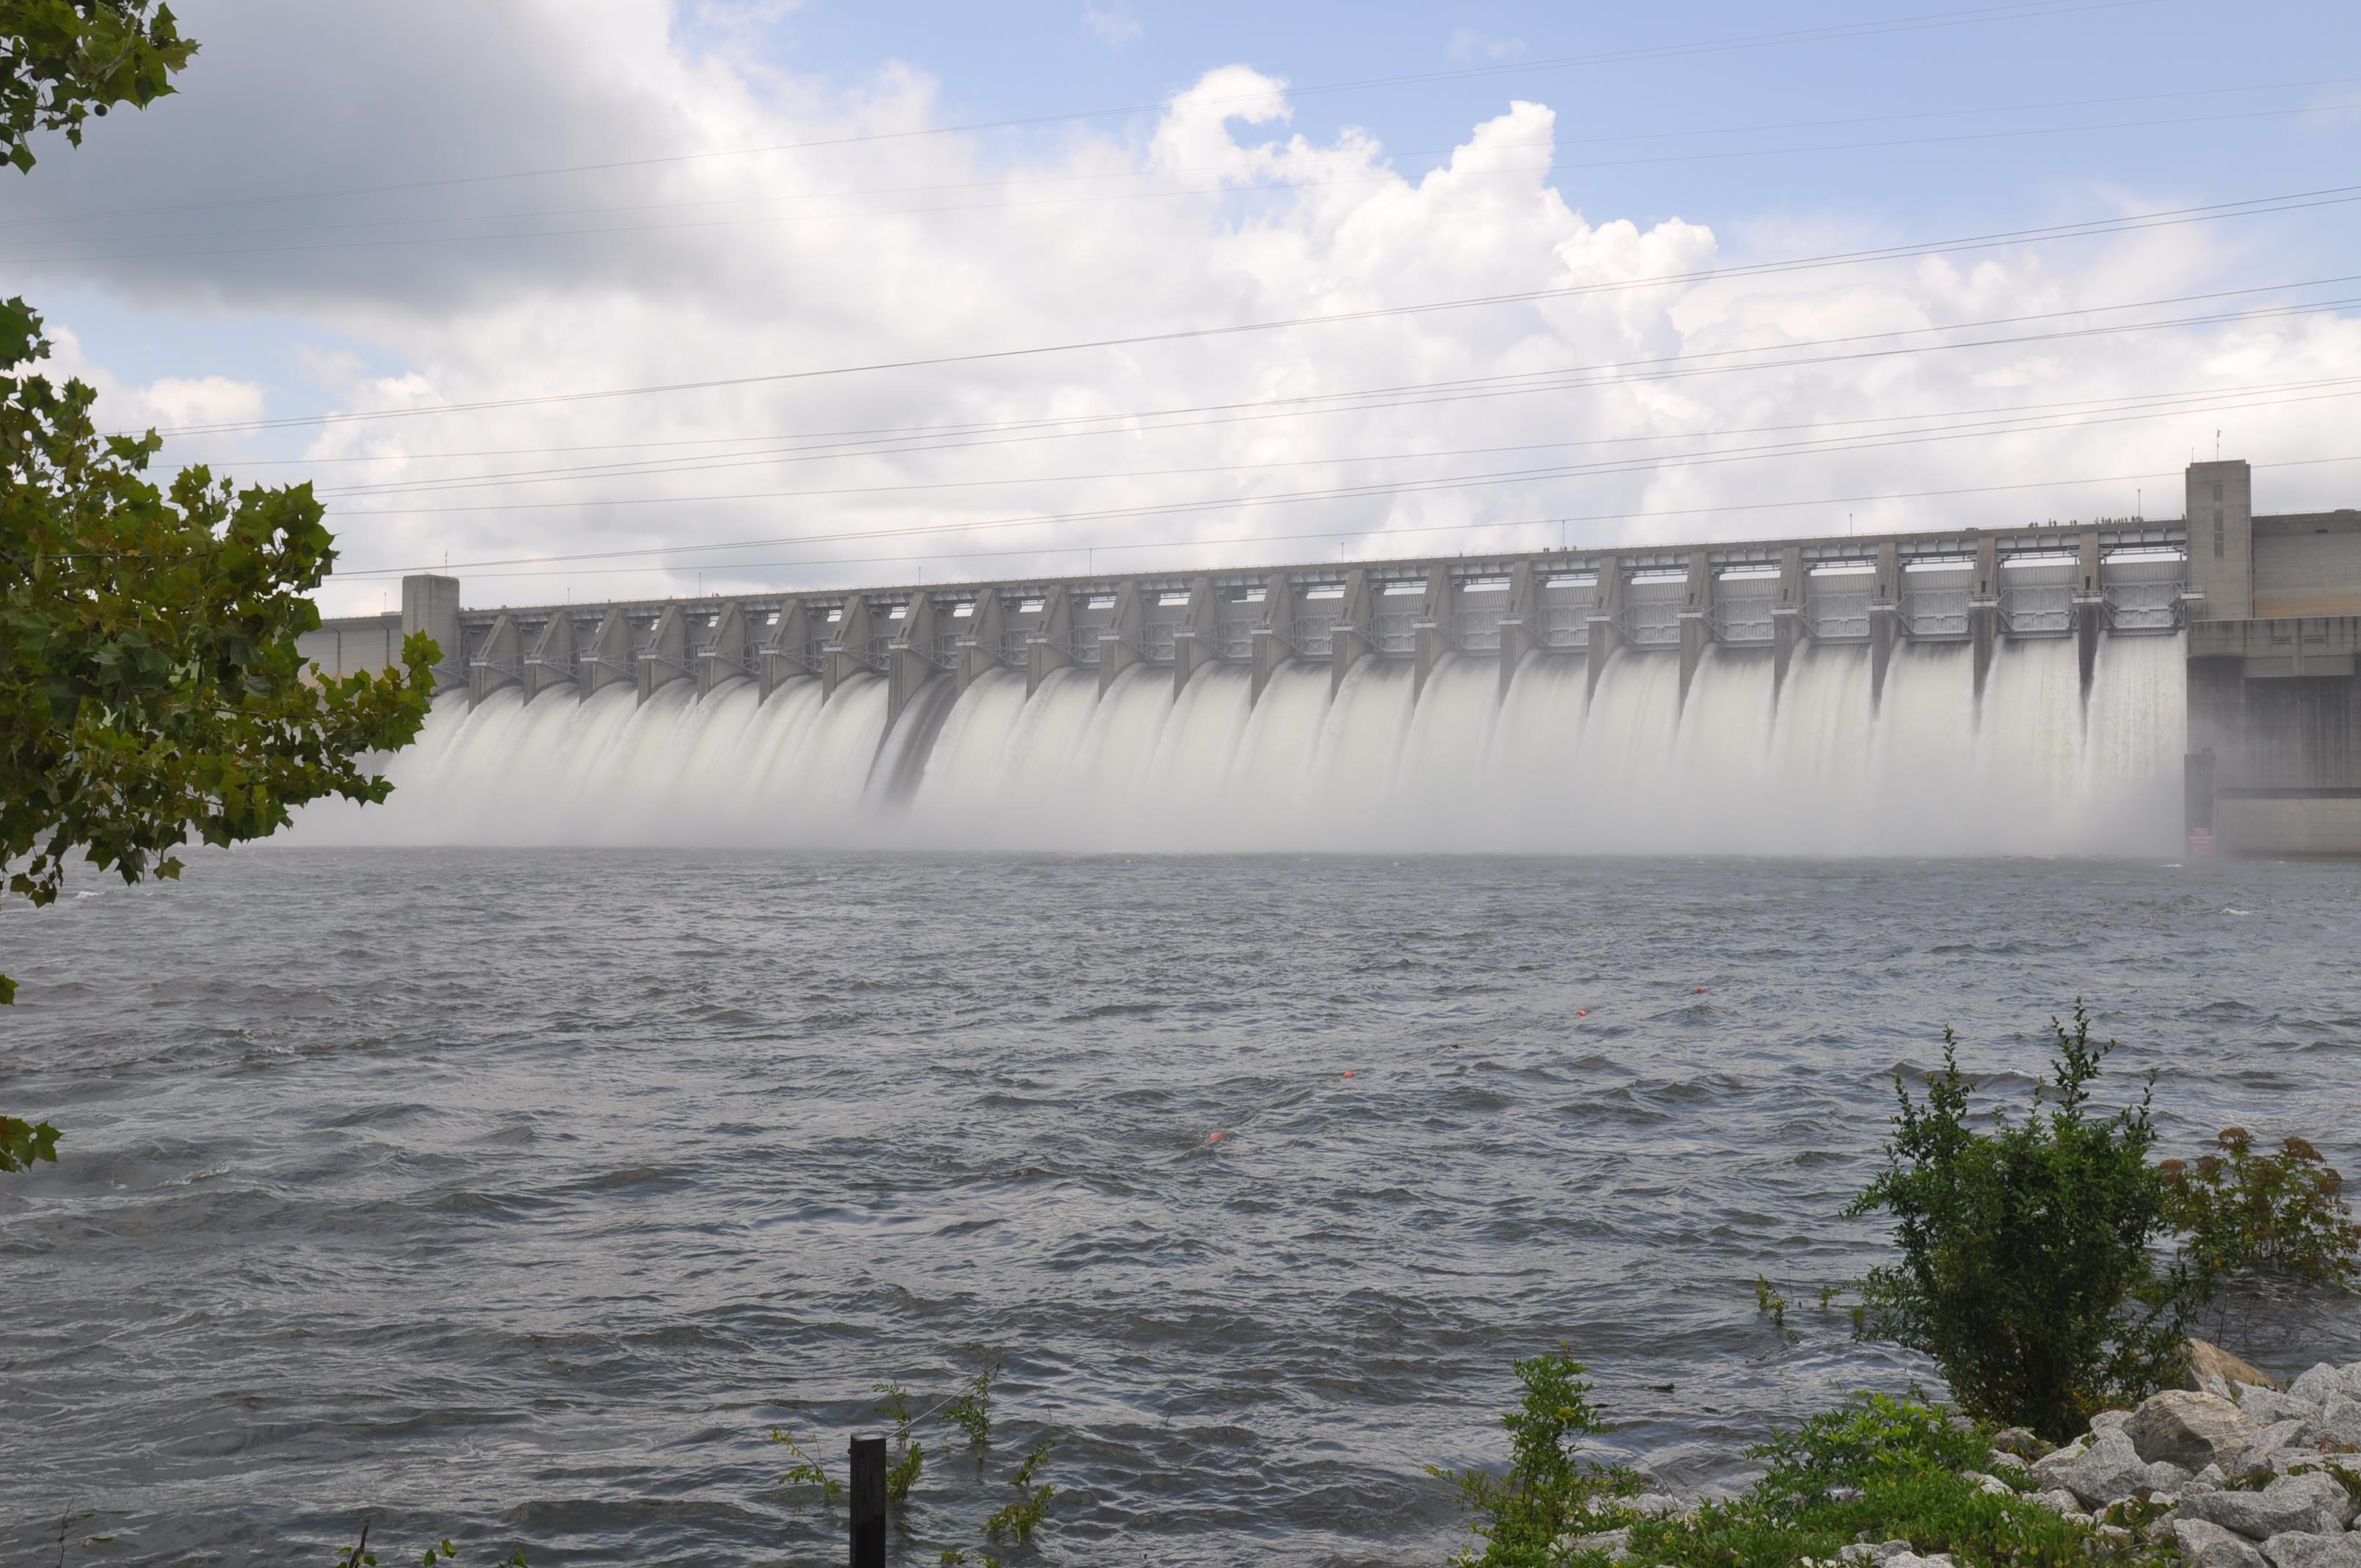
(624, 298)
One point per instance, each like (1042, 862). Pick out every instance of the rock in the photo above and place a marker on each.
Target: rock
(2019, 1442)
(2301, 1551)
(2061, 1500)
(1655, 1505)
(2108, 1471)
(1991, 1486)
(2340, 1418)
(1883, 1551)
(2318, 1384)
(2277, 1438)
(2270, 1405)
(2207, 1360)
(2208, 1545)
(2313, 1505)
(2192, 1430)
(2003, 1460)
(1616, 1544)
(2109, 1420)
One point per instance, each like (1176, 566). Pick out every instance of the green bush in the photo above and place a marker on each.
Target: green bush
(2025, 1270)
(2247, 1214)
(1550, 1489)
(1876, 1468)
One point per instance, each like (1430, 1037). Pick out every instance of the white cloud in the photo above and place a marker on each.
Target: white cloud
(1114, 25)
(1468, 47)
(874, 251)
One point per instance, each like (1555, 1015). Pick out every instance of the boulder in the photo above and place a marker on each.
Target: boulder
(1615, 1543)
(1883, 1551)
(2277, 1438)
(2108, 1471)
(2270, 1404)
(2208, 1362)
(2318, 1384)
(1991, 1485)
(2302, 1551)
(2340, 1418)
(2019, 1442)
(2109, 1420)
(2190, 1429)
(2312, 1504)
(2061, 1500)
(1654, 1505)
(2206, 1545)
(2003, 1459)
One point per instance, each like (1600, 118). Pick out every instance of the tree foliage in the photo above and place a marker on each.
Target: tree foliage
(2026, 1269)
(62, 62)
(152, 690)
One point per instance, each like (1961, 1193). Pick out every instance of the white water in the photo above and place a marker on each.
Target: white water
(1378, 763)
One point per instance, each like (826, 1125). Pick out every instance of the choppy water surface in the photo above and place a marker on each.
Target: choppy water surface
(520, 1192)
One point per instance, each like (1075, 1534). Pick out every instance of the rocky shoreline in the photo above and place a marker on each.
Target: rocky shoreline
(2237, 1472)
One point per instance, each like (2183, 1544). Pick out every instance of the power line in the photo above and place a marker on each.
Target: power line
(1610, 467)
(1185, 193)
(1410, 529)
(2211, 212)
(664, 466)
(2014, 10)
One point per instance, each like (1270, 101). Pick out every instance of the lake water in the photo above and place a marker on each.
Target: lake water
(518, 1193)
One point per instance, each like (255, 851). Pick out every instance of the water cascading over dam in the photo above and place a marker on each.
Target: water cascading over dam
(1546, 765)
(2100, 688)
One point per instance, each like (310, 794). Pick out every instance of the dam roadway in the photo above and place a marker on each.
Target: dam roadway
(2265, 610)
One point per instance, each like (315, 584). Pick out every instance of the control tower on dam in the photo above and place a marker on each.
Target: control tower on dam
(2243, 630)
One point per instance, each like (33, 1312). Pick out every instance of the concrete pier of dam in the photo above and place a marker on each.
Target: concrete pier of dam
(2270, 607)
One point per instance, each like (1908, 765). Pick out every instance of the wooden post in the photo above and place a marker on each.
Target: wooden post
(868, 1498)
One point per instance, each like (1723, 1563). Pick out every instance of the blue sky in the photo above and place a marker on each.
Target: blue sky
(1021, 60)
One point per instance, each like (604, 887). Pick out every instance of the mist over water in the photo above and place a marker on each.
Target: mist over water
(1545, 766)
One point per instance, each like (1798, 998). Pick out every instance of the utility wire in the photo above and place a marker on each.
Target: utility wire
(2210, 213)
(1614, 466)
(1379, 176)
(1406, 530)
(665, 466)
(2018, 10)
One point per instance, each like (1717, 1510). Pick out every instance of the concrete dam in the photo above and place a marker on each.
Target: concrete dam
(2125, 686)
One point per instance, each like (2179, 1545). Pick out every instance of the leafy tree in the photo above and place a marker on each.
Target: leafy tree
(151, 689)
(2025, 1271)
(68, 60)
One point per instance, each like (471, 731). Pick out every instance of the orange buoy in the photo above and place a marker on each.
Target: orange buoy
(1700, 991)
(1582, 1012)
(1348, 1075)
(1214, 1139)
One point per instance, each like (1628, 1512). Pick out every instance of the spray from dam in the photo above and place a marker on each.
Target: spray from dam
(1539, 764)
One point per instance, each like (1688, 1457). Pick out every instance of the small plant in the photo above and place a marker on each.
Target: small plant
(2281, 1213)
(911, 1456)
(1550, 1489)
(806, 1470)
(1017, 1521)
(2025, 1270)
(971, 1411)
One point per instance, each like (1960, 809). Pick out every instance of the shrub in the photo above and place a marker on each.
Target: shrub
(1550, 1489)
(1877, 1468)
(2025, 1270)
(2279, 1213)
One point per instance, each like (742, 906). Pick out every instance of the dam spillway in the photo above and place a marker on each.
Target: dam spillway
(2024, 691)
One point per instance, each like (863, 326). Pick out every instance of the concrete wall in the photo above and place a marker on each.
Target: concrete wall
(2308, 564)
